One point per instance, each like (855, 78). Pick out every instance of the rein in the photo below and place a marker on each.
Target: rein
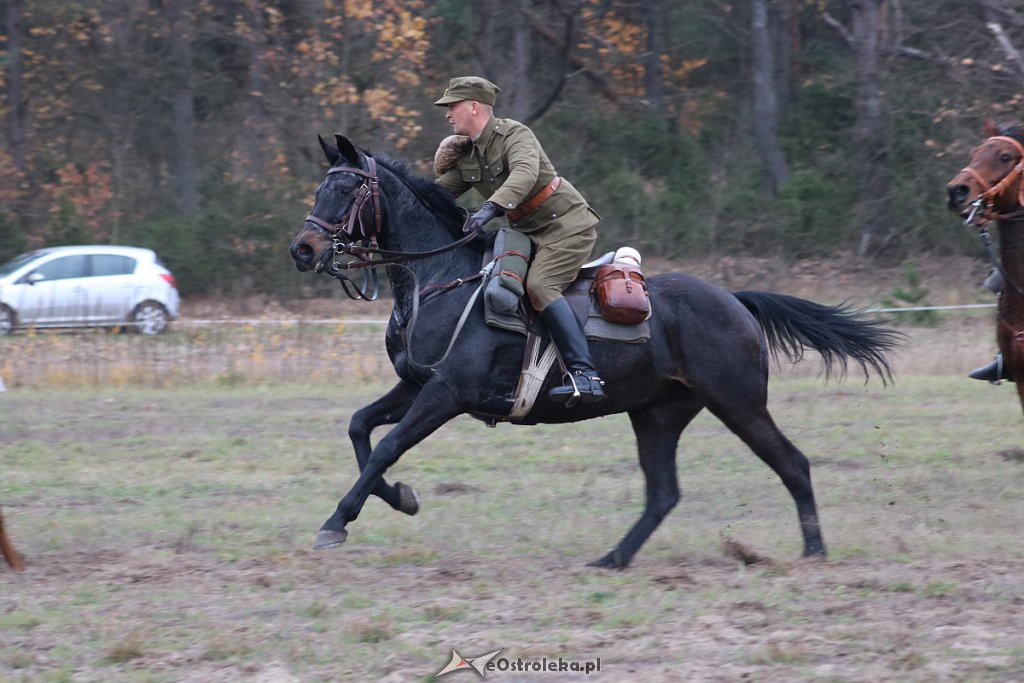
(353, 227)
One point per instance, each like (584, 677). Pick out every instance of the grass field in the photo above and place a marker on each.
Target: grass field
(168, 537)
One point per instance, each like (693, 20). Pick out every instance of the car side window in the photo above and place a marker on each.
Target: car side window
(112, 264)
(64, 268)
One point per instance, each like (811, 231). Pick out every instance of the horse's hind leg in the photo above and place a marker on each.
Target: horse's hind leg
(755, 426)
(388, 409)
(657, 427)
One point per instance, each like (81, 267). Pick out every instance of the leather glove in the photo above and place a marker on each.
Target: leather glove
(483, 215)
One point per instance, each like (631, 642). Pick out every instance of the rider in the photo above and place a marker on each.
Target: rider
(996, 370)
(507, 165)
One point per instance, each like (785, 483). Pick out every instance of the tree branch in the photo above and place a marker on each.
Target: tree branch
(843, 32)
(1012, 53)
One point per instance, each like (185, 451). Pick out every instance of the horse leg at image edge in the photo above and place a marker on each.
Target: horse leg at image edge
(657, 427)
(434, 406)
(388, 409)
(7, 549)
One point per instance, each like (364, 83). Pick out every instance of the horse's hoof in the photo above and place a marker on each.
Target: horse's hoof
(408, 500)
(327, 538)
(610, 561)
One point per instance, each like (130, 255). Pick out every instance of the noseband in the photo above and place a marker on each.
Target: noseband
(981, 208)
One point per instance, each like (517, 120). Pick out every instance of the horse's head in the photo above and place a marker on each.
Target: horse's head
(346, 207)
(993, 177)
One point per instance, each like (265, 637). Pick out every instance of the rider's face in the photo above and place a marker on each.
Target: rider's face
(461, 115)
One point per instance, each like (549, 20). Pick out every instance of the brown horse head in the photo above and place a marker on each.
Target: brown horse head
(993, 174)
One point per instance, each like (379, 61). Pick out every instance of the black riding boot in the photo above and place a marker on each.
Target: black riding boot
(582, 382)
(993, 372)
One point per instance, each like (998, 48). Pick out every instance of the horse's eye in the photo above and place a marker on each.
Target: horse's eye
(1006, 158)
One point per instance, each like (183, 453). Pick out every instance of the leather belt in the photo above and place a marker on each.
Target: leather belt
(536, 200)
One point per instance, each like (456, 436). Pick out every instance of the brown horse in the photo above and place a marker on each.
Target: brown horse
(991, 188)
(7, 550)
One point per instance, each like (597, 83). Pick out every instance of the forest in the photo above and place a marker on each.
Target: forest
(700, 128)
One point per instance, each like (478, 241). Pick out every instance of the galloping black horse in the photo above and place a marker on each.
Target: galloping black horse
(708, 348)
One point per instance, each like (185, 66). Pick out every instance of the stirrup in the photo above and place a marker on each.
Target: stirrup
(589, 394)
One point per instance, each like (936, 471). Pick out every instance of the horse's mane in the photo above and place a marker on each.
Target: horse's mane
(1013, 130)
(436, 197)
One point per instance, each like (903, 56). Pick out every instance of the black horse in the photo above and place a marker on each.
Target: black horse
(708, 348)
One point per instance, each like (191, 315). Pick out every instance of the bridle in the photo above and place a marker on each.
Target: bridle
(982, 212)
(349, 234)
(982, 207)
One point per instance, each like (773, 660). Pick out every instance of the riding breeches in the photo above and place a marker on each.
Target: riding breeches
(556, 264)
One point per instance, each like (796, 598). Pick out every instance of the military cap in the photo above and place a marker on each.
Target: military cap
(469, 88)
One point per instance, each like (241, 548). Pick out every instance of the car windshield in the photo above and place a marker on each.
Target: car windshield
(19, 261)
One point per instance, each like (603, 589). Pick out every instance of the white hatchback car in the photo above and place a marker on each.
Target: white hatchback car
(87, 286)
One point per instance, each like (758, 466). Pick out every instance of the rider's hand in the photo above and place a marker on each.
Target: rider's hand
(483, 215)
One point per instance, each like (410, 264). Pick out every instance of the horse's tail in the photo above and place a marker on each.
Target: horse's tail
(838, 333)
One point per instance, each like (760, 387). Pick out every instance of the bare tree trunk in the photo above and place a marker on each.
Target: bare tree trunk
(875, 219)
(766, 112)
(654, 81)
(256, 115)
(184, 166)
(15, 105)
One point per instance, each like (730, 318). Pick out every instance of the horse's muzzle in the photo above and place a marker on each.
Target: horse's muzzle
(304, 255)
(956, 195)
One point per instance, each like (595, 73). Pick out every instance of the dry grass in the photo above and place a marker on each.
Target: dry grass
(167, 538)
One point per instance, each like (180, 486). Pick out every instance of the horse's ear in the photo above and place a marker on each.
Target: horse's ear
(347, 149)
(990, 129)
(332, 153)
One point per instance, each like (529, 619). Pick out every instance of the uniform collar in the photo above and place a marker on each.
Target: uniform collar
(485, 135)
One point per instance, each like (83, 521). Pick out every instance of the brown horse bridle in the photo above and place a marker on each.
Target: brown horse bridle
(982, 207)
(370, 189)
(348, 233)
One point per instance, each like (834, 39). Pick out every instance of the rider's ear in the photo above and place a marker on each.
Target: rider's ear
(991, 129)
(330, 152)
(347, 149)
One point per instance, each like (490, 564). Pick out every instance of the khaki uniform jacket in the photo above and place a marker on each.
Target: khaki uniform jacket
(508, 167)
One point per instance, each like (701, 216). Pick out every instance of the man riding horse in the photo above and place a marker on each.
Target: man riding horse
(503, 160)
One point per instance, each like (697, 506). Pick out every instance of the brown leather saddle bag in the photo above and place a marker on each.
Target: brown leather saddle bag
(621, 294)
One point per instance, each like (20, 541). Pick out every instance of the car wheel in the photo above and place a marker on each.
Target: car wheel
(149, 317)
(6, 320)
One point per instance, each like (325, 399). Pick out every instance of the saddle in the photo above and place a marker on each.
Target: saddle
(505, 309)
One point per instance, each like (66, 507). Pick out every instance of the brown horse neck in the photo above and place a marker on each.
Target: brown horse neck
(1011, 256)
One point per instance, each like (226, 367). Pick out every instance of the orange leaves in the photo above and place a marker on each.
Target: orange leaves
(87, 193)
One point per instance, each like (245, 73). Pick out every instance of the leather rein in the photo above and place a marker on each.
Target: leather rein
(349, 233)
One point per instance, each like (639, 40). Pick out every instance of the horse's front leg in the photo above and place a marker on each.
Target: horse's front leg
(388, 409)
(435, 405)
